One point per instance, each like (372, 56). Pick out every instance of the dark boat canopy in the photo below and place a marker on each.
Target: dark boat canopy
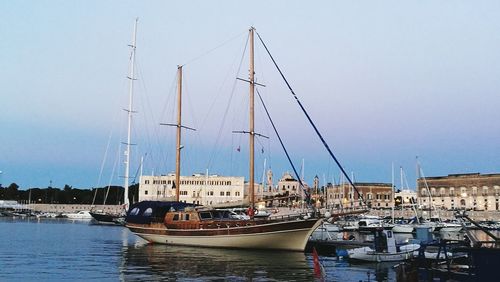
(147, 211)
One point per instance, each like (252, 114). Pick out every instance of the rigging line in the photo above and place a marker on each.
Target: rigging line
(282, 145)
(146, 108)
(213, 49)
(137, 172)
(112, 174)
(161, 158)
(227, 108)
(103, 163)
(214, 101)
(310, 121)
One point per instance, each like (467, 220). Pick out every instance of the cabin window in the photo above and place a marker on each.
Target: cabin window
(186, 217)
(134, 211)
(176, 217)
(205, 215)
(148, 212)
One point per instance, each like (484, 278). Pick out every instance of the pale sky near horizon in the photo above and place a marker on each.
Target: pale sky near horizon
(385, 81)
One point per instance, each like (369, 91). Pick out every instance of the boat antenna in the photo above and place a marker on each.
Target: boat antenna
(284, 148)
(311, 122)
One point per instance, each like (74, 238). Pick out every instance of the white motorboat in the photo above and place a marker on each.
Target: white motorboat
(402, 228)
(450, 227)
(385, 249)
(326, 231)
(79, 215)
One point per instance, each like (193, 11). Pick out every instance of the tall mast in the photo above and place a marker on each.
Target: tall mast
(252, 132)
(129, 111)
(178, 147)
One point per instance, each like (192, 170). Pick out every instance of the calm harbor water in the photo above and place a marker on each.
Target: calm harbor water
(61, 249)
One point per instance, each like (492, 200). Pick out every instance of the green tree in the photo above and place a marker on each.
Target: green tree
(11, 193)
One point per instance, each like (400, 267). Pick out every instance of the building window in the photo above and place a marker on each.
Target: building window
(222, 193)
(146, 182)
(237, 194)
(145, 192)
(228, 193)
(485, 191)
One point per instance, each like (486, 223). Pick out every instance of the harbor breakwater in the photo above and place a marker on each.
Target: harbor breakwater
(443, 214)
(70, 208)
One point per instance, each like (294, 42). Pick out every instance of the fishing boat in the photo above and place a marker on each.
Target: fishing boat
(384, 249)
(178, 223)
(119, 219)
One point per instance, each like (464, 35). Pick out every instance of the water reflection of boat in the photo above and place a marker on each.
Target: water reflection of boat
(176, 262)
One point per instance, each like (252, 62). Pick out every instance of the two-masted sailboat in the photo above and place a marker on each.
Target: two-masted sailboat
(179, 223)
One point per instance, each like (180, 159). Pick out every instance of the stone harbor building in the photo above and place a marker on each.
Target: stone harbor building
(471, 191)
(405, 197)
(289, 185)
(378, 195)
(197, 189)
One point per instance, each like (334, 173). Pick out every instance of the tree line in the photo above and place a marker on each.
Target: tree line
(69, 195)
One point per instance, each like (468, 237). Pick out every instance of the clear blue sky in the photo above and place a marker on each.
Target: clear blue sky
(385, 81)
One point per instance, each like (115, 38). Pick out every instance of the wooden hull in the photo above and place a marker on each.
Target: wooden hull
(282, 235)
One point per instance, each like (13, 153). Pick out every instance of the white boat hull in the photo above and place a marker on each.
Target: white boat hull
(402, 228)
(368, 254)
(451, 228)
(84, 215)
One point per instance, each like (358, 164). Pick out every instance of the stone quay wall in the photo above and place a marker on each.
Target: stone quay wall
(443, 214)
(67, 208)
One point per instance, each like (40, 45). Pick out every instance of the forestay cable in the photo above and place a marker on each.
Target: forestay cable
(310, 121)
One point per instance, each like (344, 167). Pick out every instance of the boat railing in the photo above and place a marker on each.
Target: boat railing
(286, 217)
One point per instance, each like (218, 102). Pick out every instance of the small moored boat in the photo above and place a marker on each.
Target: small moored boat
(385, 249)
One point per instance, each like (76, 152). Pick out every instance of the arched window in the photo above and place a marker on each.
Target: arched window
(147, 212)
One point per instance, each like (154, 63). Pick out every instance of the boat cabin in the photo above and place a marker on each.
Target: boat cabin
(191, 218)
